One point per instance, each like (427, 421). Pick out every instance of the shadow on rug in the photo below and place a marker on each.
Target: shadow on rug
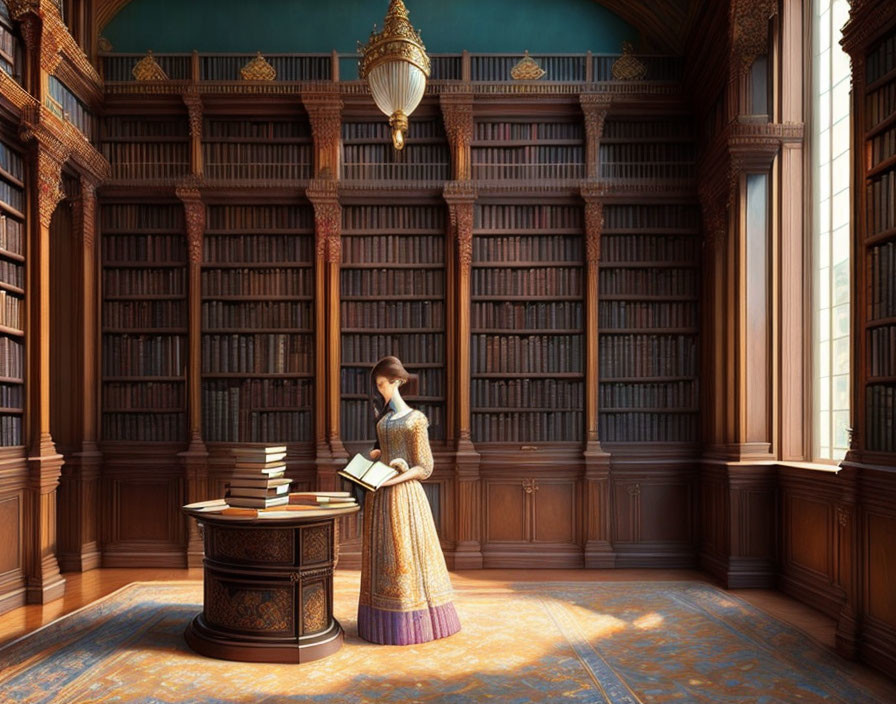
(617, 642)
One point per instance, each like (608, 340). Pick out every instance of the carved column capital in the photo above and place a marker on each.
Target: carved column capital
(457, 115)
(595, 107)
(748, 27)
(461, 197)
(193, 101)
(324, 110)
(194, 216)
(49, 176)
(324, 196)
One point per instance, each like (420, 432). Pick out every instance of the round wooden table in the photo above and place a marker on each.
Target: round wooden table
(268, 587)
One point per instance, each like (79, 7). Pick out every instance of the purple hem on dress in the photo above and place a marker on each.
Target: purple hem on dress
(407, 627)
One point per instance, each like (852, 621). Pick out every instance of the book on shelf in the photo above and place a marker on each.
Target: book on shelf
(366, 472)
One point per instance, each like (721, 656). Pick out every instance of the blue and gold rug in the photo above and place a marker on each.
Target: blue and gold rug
(616, 642)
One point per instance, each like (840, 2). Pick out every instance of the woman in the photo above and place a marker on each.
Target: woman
(405, 589)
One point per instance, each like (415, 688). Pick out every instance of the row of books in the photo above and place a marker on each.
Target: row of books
(261, 170)
(528, 217)
(534, 131)
(11, 235)
(353, 170)
(648, 129)
(132, 281)
(497, 249)
(647, 153)
(540, 281)
(562, 315)
(393, 282)
(257, 314)
(882, 60)
(380, 131)
(642, 314)
(144, 248)
(259, 217)
(130, 127)
(422, 348)
(639, 426)
(145, 314)
(161, 156)
(880, 417)
(645, 356)
(392, 314)
(527, 393)
(12, 310)
(149, 170)
(670, 394)
(882, 290)
(882, 351)
(258, 249)
(223, 154)
(144, 427)
(12, 396)
(647, 170)
(653, 281)
(356, 380)
(357, 417)
(540, 154)
(11, 161)
(143, 355)
(528, 426)
(535, 354)
(257, 282)
(244, 128)
(649, 248)
(7, 41)
(881, 203)
(138, 217)
(12, 195)
(266, 394)
(257, 354)
(10, 430)
(75, 112)
(881, 147)
(361, 218)
(225, 420)
(385, 153)
(393, 249)
(12, 358)
(651, 217)
(519, 172)
(123, 395)
(880, 104)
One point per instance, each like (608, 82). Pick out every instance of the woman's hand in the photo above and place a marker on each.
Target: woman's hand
(400, 464)
(412, 473)
(375, 454)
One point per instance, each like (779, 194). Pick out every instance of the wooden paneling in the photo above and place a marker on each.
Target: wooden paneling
(881, 551)
(808, 534)
(555, 512)
(11, 545)
(506, 511)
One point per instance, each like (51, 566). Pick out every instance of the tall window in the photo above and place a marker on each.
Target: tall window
(830, 151)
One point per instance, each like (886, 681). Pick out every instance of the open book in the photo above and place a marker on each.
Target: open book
(367, 472)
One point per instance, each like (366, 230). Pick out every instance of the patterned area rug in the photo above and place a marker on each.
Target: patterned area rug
(617, 642)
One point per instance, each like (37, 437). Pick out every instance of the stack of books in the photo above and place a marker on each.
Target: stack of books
(307, 500)
(257, 480)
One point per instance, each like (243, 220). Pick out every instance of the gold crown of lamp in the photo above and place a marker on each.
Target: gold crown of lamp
(395, 65)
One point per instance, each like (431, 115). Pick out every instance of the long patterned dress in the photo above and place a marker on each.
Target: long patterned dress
(405, 589)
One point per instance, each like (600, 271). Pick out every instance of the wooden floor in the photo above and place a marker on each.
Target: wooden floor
(84, 588)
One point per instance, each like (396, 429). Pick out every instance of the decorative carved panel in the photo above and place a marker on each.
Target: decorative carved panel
(262, 545)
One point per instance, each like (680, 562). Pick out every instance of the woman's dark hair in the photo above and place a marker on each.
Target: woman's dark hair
(391, 368)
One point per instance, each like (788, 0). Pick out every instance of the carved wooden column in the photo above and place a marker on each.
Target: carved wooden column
(598, 550)
(457, 115)
(195, 458)
(43, 581)
(324, 196)
(79, 547)
(194, 115)
(595, 107)
(324, 107)
(461, 197)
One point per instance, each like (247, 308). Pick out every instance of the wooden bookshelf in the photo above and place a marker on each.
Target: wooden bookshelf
(368, 154)
(527, 341)
(528, 151)
(237, 148)
(877, 246)
(648, 324)
(145, 148)
(393, 302)
(650, 150)
(12, 295)
(257, 324)
(144, 321)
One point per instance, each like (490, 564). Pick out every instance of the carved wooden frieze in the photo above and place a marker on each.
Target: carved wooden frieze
(749, 29)
(314, 608)
(270, 545)
(315, 544)
(238, 607)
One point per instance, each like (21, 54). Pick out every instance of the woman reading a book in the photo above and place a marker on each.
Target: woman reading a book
(406, 593)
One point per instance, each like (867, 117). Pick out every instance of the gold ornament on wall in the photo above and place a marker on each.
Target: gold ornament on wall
(527, 69)
(395, 65)
(148, 69)
(627, 67)
(258, 69)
